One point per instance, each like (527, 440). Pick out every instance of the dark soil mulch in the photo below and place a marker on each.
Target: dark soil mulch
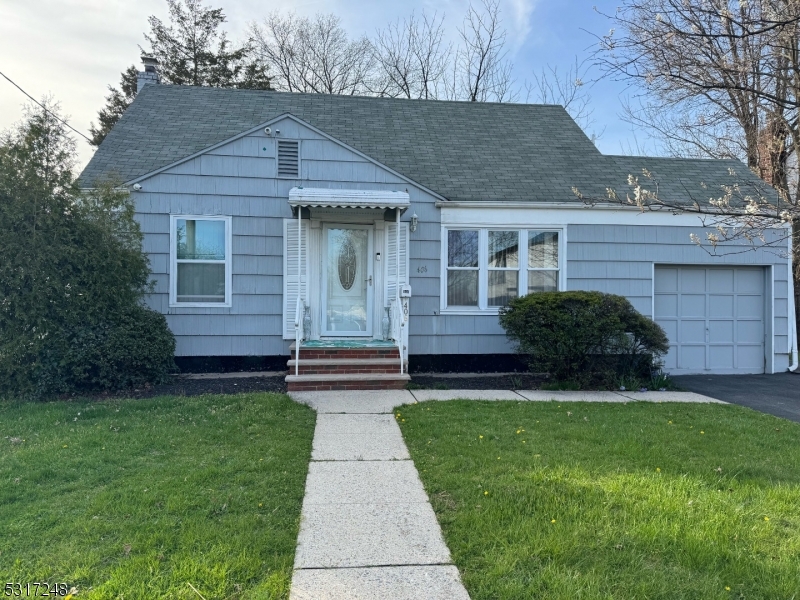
(182, 386)
(518, 381)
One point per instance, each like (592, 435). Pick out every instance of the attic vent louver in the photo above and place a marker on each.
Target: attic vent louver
(288, 158)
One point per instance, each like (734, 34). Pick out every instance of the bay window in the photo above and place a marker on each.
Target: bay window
(487, 268)
(200, 249)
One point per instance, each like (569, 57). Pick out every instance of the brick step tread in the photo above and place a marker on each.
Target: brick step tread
(345, 356)
(344, 377)
(293, 346)
(333, 351)
(316, 362)
(320, 371)
(345, 386)
(338, 369)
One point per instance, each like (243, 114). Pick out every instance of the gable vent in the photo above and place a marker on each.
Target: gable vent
(288, 158)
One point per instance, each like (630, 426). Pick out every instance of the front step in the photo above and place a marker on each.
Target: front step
(332, 353)
(342, 366)
(347, 381)
(319, 366)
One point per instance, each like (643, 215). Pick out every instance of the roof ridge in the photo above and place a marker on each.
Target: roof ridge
(214, 89)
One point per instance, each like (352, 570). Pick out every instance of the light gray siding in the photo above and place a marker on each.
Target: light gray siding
(616, 259)
(619, 259)
(239, 179)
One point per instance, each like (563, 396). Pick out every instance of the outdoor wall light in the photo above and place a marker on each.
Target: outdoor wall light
(414, 222)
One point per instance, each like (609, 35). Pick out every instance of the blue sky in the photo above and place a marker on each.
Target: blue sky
(73, 48)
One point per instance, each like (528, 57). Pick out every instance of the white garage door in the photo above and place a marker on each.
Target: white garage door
(714, 318)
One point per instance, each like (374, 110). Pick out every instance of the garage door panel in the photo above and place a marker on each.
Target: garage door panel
(721, 306)
(692, 332)
(721, 332)
(693, 305)
(721, 280)
(692, 357)
(749, 331)
(713, 317)
(667, 305)
(692, 280)
(750, 281)
(750, 307)
(670, 327)
(750, 358)
(666, 280)
(721, 357)
(671, 359)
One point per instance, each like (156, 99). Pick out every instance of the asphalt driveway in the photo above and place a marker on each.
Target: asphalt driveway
(777, 394)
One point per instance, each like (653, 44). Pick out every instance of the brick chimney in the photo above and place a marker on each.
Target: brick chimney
(150, 73)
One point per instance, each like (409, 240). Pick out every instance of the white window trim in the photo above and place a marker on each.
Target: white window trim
(173, 262)
(483, 269)
(299, 160)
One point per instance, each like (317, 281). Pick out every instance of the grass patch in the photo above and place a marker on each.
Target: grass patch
(140, 498)
(591, 501)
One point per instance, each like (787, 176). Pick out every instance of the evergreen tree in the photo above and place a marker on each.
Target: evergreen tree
(116, 103)
(73, 276)
(191, 50)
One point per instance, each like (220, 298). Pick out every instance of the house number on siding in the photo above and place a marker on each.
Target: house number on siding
(422, 269)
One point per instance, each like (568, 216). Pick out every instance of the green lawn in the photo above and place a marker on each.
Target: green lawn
(585, 501)
(141, 498)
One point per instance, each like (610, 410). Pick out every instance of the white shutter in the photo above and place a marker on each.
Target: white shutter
(391, 260)
(290, 279)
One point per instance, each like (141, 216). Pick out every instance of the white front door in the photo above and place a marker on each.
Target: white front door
(347, 281)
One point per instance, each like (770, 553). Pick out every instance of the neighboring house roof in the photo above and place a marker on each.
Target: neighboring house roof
(463, 151)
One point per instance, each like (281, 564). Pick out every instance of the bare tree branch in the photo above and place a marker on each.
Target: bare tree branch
(482, 71)
(314, 55)
(412, 58)
(567, 88)
(746, 210)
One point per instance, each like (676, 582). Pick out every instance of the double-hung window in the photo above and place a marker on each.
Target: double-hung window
(542, 261)
(502, 261)
(200, 248)
(463, 267)
(487, 268)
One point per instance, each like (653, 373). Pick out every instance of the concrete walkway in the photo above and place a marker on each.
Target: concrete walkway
(367, 529)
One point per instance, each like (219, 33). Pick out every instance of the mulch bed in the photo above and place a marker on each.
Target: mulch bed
(488, 381)
(182, 386)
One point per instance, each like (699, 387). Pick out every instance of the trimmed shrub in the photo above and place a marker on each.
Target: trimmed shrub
(73, 276)
(586, 337)
(132, 348)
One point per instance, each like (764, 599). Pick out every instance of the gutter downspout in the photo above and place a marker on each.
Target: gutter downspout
(792, 325)
(792, 310)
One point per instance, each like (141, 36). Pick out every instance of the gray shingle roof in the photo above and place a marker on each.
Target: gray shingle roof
(463, 151)
(687, 179)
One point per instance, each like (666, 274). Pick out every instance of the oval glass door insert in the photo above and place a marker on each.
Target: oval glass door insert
(347, 264)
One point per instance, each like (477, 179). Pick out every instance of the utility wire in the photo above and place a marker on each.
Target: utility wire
(44, 108)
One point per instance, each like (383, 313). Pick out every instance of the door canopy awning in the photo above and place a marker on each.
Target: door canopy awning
(332, 198)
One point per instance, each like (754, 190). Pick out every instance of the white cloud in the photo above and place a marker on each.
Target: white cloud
(519, 23)
(73, 49)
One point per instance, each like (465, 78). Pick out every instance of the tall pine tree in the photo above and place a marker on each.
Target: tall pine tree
(191, 50)
(116, 103)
